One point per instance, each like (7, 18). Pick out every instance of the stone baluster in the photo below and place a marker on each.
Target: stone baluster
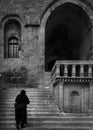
(66, 70)
(81, 70)
(73, 70)
(90, 70)
(58, 70)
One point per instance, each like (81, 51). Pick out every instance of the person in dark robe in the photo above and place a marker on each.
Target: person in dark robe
(21, 102)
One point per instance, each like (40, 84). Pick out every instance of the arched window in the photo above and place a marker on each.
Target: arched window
(12, 39)
(13, 47)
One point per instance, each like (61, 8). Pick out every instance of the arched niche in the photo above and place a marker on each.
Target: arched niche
(12, 30)
(75, 102)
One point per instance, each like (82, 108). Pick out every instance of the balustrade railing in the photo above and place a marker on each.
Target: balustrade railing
(72, 69)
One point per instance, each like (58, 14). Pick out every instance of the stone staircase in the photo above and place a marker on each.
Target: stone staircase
(42, 112)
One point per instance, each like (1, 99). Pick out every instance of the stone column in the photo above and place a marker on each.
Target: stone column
(66, 70)
(56, 94)
(73, 70)
(61, 96)
(81, 70)
(91, 97)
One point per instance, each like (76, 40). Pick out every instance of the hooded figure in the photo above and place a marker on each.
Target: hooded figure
(21, 102)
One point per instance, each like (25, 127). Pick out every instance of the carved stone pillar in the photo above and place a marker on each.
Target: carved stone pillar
(81, 70)
(61, 96)
(73, 70)
(66, 70)
(91, 97)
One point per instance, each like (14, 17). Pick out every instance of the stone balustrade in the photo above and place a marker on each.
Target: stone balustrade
(72, 69)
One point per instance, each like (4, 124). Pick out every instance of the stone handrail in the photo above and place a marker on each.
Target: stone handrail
(72, 68)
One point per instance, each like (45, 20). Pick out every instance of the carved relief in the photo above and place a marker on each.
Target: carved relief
(27, 19)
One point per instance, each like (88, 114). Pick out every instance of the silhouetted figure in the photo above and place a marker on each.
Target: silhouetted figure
(21, 102)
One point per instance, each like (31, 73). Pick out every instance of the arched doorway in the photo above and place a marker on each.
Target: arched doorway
(67, 35)
(75, 102)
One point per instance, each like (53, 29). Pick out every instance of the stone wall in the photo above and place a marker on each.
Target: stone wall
(29, 14)
(64, 100)
(82, 89)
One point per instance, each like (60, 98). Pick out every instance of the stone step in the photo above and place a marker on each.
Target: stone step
(30, 93)
(30, 110)
(41, 114)
(6, 101)
(33, 104)
(30, 106)
(50, 124)
(36, 102)
(31, 101)
(30, 96)
(36, 107)
(27, 91)
(53, 118)
(36, 114)
(46, 128)
(25, 88)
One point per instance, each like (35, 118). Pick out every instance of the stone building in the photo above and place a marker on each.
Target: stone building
(40, 38)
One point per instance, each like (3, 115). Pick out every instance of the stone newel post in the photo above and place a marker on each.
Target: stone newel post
(58, 70)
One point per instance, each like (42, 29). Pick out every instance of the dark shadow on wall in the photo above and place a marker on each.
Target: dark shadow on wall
(15, 75)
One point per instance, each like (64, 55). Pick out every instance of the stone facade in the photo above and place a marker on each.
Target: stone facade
(74, 97)
(32, 16)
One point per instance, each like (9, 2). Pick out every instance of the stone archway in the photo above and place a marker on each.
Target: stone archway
(42, 32)
(75, 102)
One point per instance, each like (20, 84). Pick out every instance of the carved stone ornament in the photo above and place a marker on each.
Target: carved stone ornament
(27, 19)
